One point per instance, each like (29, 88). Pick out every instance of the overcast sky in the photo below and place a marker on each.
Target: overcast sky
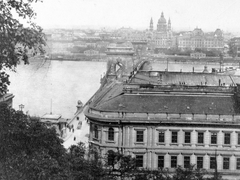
(184, 14)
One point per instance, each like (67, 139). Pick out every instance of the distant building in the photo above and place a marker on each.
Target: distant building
(151, 25)
(56, 121)
(162, 37)
(61, 47)
(197, 39)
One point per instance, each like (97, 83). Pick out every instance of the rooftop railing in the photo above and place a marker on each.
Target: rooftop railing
(136, 87)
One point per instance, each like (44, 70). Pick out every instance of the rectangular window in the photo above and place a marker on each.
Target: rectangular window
(213, 138)
(173, 161)
(227, 138)
(139, 137)
(199, 162)
(161, 137)
(186, 161)
(139, 160)
(238, 138)
(174, 136)
(238, 163)
(187, 137)
(225, 163)
(111, 134)
(200, 137)
(212, 162)
(95, 132)
(160, 161)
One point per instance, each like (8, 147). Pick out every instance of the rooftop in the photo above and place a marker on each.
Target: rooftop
(174, 103)
(51, 116)
(171, 93)
(184, 78)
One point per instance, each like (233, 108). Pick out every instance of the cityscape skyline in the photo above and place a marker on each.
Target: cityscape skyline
(184, 14)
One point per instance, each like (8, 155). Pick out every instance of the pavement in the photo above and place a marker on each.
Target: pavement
(75, 134)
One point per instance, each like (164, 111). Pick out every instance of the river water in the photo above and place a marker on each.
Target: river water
(56, 86)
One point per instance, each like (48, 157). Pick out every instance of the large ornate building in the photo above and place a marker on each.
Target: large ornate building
(162, 37)
(200, 40)
(166, 119)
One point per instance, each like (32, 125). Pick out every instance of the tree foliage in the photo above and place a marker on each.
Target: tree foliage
(29, 150)
(233, 48)
(85, 163)
(20, 37)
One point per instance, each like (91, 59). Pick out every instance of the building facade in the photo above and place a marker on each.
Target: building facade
(57, 122)
(197, 39)
(166, 119)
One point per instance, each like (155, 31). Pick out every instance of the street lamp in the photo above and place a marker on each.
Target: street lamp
(21, 106)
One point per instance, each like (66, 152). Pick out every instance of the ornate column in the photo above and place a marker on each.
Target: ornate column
(153, 136)
(131, 138)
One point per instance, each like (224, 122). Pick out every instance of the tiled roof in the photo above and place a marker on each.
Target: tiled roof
(167, 98)
(164, 103)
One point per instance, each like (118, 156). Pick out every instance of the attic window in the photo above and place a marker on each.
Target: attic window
(210, 108)
(165, 107)
(188, 107)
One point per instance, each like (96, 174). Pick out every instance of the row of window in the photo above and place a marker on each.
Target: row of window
(187, 162)
(110, 133)
(187, 137)
(174, 136)
(194, 42)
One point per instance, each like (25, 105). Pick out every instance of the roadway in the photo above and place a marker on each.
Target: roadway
(75, 134)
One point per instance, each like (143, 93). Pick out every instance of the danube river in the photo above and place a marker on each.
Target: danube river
(56, 86)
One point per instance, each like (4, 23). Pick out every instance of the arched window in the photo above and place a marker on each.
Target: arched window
(95, 132)
(111, 134)
(110, 157)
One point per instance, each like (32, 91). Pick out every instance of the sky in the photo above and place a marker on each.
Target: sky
(184, 14)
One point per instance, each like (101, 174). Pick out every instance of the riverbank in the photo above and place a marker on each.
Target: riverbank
(175, 60)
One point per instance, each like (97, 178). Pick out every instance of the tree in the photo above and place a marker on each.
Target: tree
(85, 163)
(19, 36)
(120, 165)
(233, 47)
(29, 150)
(189, 173)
